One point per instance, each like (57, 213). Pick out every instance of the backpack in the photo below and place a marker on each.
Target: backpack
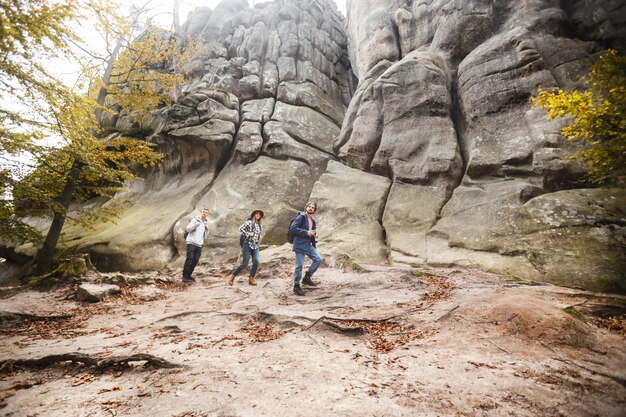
(291, 235)
(242, 239)
(186, 232)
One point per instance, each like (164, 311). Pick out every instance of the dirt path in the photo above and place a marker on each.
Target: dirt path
(454, 343)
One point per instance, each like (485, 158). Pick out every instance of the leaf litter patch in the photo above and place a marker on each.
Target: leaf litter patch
(384, 336)
(442, 287)
(70, 323)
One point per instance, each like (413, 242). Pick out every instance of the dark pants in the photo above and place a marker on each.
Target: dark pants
(247, 251)
(193, 256)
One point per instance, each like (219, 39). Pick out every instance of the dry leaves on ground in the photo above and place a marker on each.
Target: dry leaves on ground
(83, 379)
(71, 323)
(384, 336)
(258, 331)
(615, 324)
(67, 326)
(443, 288)
(171, 286)
(129, 295)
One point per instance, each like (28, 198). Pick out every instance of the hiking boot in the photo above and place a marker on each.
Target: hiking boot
(307, 280)
(297, 290)
(251, 281)
(231, 279)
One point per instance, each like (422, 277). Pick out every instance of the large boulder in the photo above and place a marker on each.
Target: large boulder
(415, 205)
(405, 133)
(278, 187)
(348, 219)
(570, 237)
(502, 132)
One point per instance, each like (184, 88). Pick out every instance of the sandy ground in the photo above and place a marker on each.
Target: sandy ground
(448, 342)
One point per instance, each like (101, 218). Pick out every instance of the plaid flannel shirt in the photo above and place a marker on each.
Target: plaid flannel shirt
(250, 227)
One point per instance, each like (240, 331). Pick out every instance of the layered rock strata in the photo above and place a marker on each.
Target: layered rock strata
(482, 162)
(412, 128)
(253, 129)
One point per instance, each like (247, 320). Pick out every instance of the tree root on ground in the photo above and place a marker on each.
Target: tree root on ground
(11, 317)
(97, 363)
(342, 329)
(325, 319)
(448, 314)
(185, 313)
(615, 378)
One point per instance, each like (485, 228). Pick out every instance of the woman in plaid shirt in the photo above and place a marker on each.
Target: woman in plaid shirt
(251, 230)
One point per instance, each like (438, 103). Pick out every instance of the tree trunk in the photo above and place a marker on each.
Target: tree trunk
(106, 79)
(176, 18)
(45, 254)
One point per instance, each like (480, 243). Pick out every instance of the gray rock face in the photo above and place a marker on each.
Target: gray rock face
(570, 237)
(467, 153)
(349, 219)
(254, 128)
(411, 126)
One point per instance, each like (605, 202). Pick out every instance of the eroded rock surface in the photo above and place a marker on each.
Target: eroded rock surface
(442, 108)
(409, 122)
(254, 128)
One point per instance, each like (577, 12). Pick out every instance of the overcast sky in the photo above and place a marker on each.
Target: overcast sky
(187, 6)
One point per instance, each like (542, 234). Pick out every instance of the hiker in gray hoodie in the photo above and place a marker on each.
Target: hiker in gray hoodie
(196, 233)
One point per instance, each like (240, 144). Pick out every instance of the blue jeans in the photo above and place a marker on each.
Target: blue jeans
(193, 256)
(247, 251)
(315, 257)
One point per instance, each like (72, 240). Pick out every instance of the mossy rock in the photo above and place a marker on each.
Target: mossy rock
(572, 311)
(348, 263)
(417, 273)
(66, 272)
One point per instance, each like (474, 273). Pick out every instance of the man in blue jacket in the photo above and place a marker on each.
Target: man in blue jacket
(303, 228)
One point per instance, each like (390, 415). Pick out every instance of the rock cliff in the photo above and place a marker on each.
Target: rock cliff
(409, 123)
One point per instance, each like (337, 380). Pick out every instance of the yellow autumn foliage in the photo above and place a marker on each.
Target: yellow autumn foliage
(47, 129)
(598, 117)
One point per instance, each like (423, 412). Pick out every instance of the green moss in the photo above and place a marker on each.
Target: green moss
(345, 262)
(572, 311)
(66, 273)
(520, 281)
(513, 278)
(46, 282)
(417, 273)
